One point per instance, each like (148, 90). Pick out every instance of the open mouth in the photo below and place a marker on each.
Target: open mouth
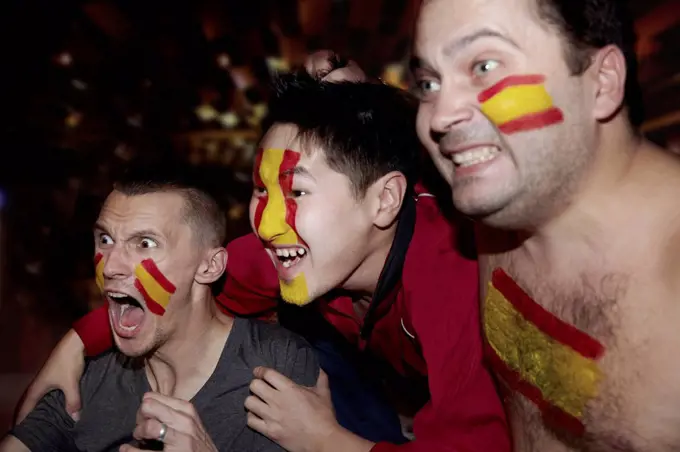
(289, 257)
(475, 156)
(127, 313)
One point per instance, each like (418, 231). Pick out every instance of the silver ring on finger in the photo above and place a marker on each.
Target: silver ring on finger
(164, 431)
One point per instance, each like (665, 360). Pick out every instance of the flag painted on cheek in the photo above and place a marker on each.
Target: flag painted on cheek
(548, 361)
(99, 270)
(520, 103)
(276, 210)
(154, 286)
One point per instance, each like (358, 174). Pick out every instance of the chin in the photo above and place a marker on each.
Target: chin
(296, 291)
(133, 348)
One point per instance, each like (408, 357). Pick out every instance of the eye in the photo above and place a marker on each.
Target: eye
(259, 191)
(481, 68)
(105, 239)
(298, 193)
(427, 86)
(147, 243)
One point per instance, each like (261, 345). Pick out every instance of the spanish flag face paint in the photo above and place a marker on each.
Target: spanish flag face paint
(520, 103)
(155, 288)
(274, 218)
(548, 361)
(99, 270)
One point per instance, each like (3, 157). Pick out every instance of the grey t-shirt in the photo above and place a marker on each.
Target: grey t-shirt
(112, 391)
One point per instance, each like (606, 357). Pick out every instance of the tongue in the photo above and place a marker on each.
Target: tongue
(132, 317)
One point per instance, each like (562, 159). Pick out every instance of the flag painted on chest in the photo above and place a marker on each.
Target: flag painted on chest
(550, 362)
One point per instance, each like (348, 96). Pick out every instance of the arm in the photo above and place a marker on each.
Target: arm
(464, 412)
(12, 444)
(251, 287)
(47, 428)
(63, 370)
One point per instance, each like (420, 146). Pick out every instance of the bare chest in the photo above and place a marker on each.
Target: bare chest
(585, 360)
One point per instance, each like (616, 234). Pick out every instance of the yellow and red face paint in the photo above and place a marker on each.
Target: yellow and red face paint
(151, 283)
(154, 286)
(519, 103)
(99, 270)
(550, 362)
(275, 211)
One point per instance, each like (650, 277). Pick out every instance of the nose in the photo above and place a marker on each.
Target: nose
(273, 226)
(451, 108)
(117, 264)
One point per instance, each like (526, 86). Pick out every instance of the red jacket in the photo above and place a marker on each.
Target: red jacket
(428, 324)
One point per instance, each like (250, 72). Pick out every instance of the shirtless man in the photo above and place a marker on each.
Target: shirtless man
(579, 235)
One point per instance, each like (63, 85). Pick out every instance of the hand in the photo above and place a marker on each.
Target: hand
(298, 418)
(319, 65)
(62, 370)
(185, 431)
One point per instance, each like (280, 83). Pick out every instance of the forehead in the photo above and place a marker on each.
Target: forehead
(286, 136)
(160, 212)
(444, 21)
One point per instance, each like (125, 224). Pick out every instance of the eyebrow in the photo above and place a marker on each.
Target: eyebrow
(465, 41)
(138, 233)
(298, 171)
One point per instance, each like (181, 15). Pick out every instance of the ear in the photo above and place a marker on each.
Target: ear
(609, 71)
(390, 191)
(213, 266)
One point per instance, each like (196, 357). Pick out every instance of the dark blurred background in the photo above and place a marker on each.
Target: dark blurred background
(88, 86)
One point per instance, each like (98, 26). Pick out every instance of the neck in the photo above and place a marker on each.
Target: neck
(582, 223)
(182, 365)
(364, 280)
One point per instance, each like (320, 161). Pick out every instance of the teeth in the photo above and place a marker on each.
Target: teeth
(475, 156)
(116, 295)
(290, 252)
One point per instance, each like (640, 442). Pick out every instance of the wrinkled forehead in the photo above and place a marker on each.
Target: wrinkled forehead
(162, 212)
(442, 22)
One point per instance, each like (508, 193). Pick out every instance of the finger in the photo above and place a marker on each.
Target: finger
(273, 377)
(176, 404)
(151, 429)
(350, 73)
(257, 424)
(177, 420)
(322, 387)
(72, 399)
(128, 448)
(263, 390)
(319, 62)
(256, 406)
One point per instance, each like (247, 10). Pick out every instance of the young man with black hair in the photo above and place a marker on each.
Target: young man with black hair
(346, 230)
(181, 369)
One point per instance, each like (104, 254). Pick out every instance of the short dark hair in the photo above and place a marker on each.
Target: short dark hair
(201, 209)
(366, 130)
(588, 25)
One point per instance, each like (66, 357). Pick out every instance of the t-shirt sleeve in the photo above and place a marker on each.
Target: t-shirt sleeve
(94, 330)
(48, 427)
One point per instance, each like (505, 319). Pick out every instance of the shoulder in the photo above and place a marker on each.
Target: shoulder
(282, 350)
(271, 337)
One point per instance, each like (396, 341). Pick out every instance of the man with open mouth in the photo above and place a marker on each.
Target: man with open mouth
(180, 370)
